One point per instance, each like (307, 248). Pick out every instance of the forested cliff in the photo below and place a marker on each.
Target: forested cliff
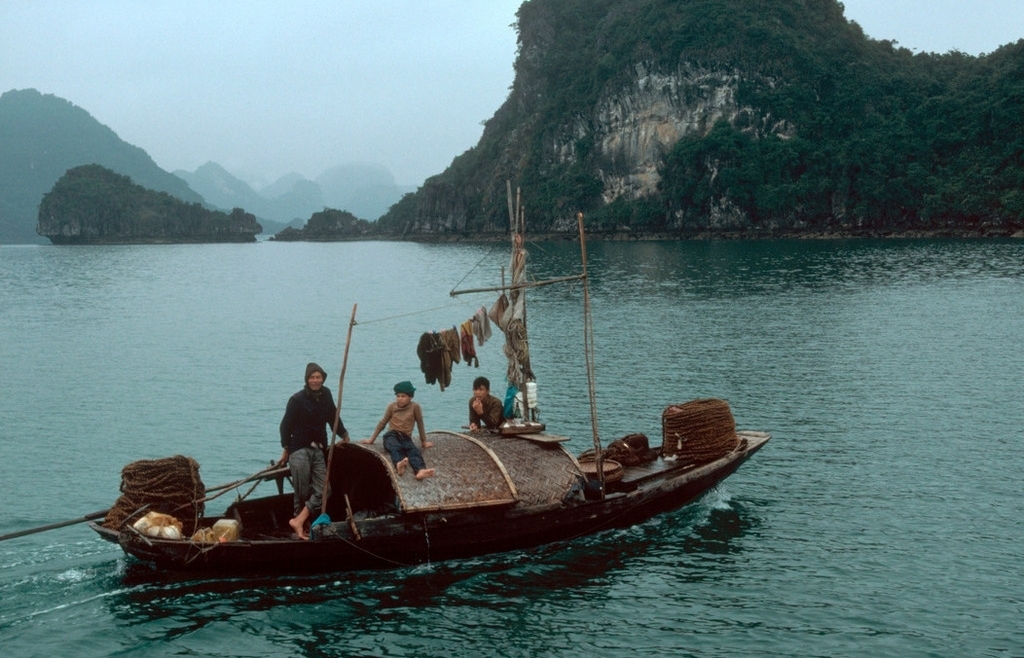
(732, 117)
(94, 205)
(41, 137)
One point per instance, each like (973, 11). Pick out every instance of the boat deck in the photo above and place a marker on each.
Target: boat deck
(634, 476)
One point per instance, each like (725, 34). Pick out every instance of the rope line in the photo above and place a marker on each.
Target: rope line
(411, 313)
(475, 267)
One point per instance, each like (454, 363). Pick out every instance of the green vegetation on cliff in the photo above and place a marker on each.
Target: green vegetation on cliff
(821, 129)
(93, 205)
(328, 225)
(41, 137)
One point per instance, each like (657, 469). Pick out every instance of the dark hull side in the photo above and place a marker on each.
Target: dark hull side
(406, 539)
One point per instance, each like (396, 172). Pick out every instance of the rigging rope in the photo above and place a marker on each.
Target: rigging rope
(411, 313)
(486, 256)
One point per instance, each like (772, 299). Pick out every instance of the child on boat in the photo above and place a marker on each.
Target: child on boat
(485, 410)
(402, 414)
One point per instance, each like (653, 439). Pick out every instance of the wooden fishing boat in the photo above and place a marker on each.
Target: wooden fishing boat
(513, 487)
(492, 493)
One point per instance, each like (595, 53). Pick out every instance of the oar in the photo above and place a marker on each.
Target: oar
(264, 474)
(324, 518)
(54, 526)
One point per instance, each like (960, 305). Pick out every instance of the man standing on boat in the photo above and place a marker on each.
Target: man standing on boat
(485, 410)
(304, 440)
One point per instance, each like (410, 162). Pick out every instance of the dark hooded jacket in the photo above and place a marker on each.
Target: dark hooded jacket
(308, 415)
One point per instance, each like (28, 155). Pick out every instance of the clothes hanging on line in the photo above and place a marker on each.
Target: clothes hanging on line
(435, 363)
(468, 350)
(481, 326)
(452, 343)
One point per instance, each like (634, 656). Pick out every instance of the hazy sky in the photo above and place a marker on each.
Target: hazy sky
(267, 88)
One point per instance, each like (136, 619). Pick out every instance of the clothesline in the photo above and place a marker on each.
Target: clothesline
(438, 350)
(411, 313)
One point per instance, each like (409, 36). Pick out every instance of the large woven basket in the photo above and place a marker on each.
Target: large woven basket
(698, 431)
(170, 485)
(613, 470)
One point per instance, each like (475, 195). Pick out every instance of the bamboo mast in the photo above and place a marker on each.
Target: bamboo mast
(519, 369)
(588, 351)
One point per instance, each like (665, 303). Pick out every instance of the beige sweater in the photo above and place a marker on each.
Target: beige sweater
(402, 420)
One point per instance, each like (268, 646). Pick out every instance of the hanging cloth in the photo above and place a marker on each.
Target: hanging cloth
(497, 312)
(468, 350)
(452, 343)
(432, 352)
(481, 326)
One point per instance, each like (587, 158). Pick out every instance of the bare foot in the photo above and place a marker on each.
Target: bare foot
(424, 473)
(401, 466)
(297, 526)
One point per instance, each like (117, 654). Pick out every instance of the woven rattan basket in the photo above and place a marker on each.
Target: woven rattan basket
(613, 470)
(698, 431)
(170, 485)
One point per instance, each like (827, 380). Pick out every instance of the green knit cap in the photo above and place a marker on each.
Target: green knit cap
(404, 387)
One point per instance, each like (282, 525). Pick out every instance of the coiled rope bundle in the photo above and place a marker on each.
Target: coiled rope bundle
(170, 485)
(698, 431)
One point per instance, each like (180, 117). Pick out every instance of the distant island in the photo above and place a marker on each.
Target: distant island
(42, 136)
(330, 225)
(91, 204)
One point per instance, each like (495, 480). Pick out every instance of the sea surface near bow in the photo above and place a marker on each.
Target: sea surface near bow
(885, 517)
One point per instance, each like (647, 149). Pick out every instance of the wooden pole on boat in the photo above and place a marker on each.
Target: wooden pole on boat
(588, 349)
(352, 519)
(265, 474)
(517, 226)
(337, 415)
(508, 198)
(271, 473)
(53, 526)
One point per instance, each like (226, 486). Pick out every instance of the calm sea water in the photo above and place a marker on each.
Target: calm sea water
(885, 517)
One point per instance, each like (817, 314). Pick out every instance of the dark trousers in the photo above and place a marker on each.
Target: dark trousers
(400, 446)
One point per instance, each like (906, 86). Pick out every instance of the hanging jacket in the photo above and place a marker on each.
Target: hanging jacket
(431, 351)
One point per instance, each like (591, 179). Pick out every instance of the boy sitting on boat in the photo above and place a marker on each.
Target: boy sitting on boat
(402, 414)
(485, 410)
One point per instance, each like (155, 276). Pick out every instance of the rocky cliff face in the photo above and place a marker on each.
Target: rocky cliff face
(725, 117)
(632, 128)
(626, 133)
(613, 145)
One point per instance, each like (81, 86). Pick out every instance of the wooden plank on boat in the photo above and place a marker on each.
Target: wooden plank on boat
(520, 427)
(540, 437)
